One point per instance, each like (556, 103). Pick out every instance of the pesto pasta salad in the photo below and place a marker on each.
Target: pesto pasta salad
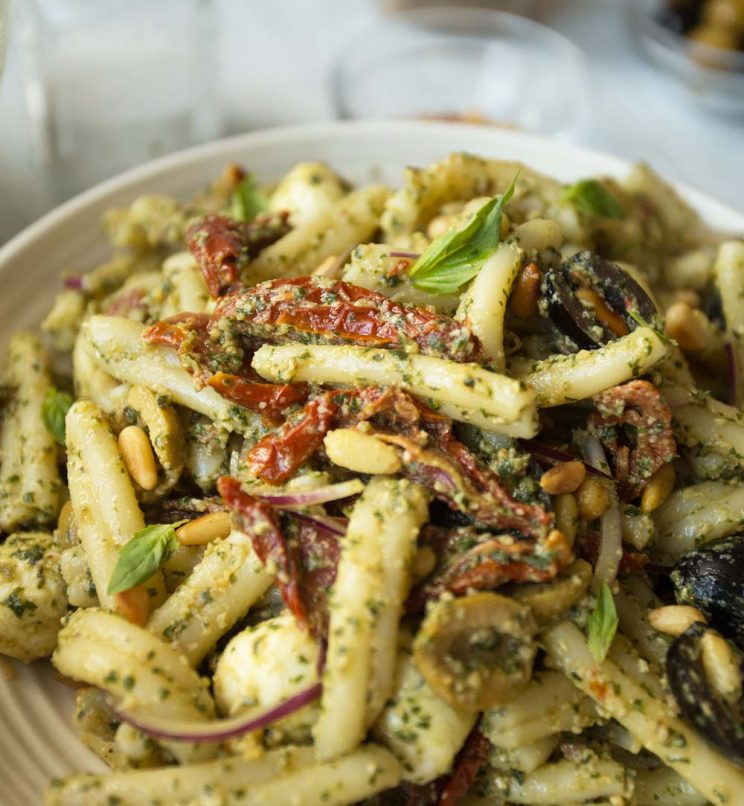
(427, 495)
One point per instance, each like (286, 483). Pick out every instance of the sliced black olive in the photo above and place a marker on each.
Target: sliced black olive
(711, 578)
(579, 322)
(701, 708)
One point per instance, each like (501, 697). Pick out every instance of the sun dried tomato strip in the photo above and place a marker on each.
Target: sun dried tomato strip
(319, 552)
(269, 399)
(175, 330)
(470, 759)
(223, 247)
(279, 454)
(337, 312)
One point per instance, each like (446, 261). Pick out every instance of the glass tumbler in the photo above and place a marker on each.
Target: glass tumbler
(114, 83)
(463, 63)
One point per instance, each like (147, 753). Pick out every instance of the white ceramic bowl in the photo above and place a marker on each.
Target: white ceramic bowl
(37, 741)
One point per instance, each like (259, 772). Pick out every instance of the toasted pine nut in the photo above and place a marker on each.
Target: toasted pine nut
(592, 498)
(689, 327)
(63, 522)
(674, 619)
(565, 477)
(604, 313)
(330, 267)
(423, 562)
(526, 291)
(658, 488)
(362, 453)
(688, 295)
(139, 459)
(134, 605)
(721, 666)
(209, 527)
(566, 516)
(440, 224)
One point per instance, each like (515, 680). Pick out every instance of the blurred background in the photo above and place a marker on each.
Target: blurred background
(92, 87)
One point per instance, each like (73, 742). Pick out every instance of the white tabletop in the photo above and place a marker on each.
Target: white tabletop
(274, 60)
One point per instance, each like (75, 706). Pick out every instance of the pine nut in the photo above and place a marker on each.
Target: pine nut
(424, 562)
(134, 605)
(721, 666)
(526, 291)
(605, 315)
(688, 326)
(674, 619)
(592, 498)
(565, 477)
(658, 488)
(566, 516)
(362, 453)
(688, 295)
(330, 267)
(209, 527)
(65, 515)
(138, 457)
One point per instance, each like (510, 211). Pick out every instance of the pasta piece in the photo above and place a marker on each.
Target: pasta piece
(662, 785)
(462, 385)
(372, 266)
(116, 345)
(526, 758)
(64, 320)
(307, 191)
(633, 602)
(81, 590)
(422, 730)
(457, 177)
(697, 514)
(547, 705)
(539, 234)
(374, 575)
(91, 381)
(189, 292)
(220, 590)
(563, 782)
(568, 378)
(349, 221)
(29, 478)
(265, 665)
(106, 651)
(483, 305)
(104, 504)
(646, 718)
(525, 426)
(32, 596)
(282, 776)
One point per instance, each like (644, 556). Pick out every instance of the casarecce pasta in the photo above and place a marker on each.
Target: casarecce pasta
(372, 495)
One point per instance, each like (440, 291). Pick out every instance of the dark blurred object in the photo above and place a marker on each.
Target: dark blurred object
(715, 23)
(701, 42)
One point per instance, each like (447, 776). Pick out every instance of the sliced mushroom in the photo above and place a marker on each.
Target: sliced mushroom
(717, 721)
(476, 651)
(549, 600)
(154, 413)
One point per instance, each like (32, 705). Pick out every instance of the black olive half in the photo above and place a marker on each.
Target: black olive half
(711, 578)
(701, 708)
(576, 321)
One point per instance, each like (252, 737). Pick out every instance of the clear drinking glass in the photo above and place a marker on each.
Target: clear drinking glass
(114, 83)
(463, 63)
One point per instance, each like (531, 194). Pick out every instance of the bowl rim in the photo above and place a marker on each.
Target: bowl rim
(293, 133)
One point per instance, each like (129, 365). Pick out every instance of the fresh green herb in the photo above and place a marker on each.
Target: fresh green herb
(602, 624)
(592, 196)
(247, 200)
(455, 257)
(143, 555)
(656, 326)
(54, 409)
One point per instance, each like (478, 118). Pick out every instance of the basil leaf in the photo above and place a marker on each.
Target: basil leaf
(602, 624)
(54, 409)
(247, 200)
(591, 195)
(455, 257)
(143, 555)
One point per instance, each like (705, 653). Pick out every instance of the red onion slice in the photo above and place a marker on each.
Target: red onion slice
(537, 449)
(322, 495)
(218, 730)
(411, 255)
(74, 281)
(336, 526)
